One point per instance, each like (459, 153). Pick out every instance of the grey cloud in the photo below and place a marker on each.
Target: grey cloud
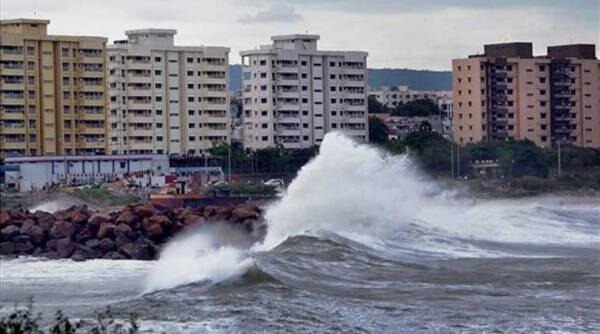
(277, 12)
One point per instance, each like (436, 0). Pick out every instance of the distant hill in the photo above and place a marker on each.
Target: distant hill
(235, 77)
(415, 79)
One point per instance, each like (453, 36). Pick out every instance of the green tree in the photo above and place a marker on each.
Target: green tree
(375, 107)
(378, 131)
(417, 108)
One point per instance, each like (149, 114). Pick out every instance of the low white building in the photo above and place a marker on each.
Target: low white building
(392, 97)
(35, 173)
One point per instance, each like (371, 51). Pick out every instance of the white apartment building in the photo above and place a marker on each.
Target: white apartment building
(394, 96)
(293, 93)
(166, 99)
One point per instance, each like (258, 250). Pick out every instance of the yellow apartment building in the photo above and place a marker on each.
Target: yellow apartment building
(52, 91)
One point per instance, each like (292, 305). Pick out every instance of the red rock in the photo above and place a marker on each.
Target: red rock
(209, 211)
(138, 251)
(145, 210)
(84, 234)
(92, 243)
(124, 229)
(79, 215)
(51, 245)
(5, 218)
(127, 217)
(78, 256)
(114, 256)
(23, 244)
(98, 219)
(193, 219)
(162, 220)
(62, 229)
(152, 229)
(106, 245)
(7, 248)
(61, 215)
(37, 234)
(64, 247)
(106, 230)
(223, 213)
(45, 221)
(245, 212)
(8, 232)
(27, 225)
(121, 240)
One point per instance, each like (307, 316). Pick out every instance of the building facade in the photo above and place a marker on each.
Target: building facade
(392, 97)
(166, 99)
(52, 91)
(294, 93)
(35, 173)
(507, 93)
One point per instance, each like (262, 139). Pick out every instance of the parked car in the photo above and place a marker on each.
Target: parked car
(274, 183)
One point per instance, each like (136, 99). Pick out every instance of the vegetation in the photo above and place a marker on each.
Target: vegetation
(375, 107)
(275, 160)
(417, 108)
(104, 197)
(521, 163)
(378, 131)
(23, 320)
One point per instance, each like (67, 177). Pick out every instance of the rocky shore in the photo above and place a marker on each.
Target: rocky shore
(133, 232)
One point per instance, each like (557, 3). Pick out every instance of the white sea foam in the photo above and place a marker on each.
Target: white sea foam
(211, 253)
(363, 194)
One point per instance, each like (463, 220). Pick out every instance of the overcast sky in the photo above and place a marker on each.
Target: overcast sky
(423, 34)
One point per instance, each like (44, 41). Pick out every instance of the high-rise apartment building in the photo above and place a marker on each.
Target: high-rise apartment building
(166, 98)
(507, 93)
(52, 91)
(294, 93)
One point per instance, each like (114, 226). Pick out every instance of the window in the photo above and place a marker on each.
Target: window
(157, 59)
(157, 72)
(190, 73)
(158, 98)
(158, 85)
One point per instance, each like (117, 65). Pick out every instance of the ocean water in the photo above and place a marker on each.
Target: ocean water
(360, 243)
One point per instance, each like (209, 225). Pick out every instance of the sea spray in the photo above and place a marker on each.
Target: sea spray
(347, 188)
(211, 253)
(380, 201)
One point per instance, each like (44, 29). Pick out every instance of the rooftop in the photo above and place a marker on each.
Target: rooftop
(294, 36)
(151, 31)
(24, 21)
